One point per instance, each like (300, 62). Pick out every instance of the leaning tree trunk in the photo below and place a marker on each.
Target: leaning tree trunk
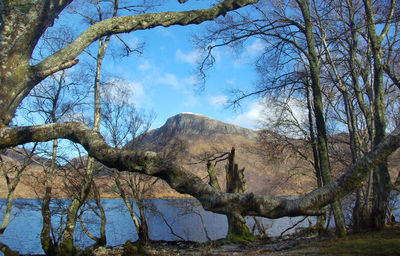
(143, 231)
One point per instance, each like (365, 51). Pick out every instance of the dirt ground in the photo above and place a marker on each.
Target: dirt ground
(385, 242)
(284, 246)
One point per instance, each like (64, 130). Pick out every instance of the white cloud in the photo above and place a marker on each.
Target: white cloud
(231, 82)
(268, 112)
(255, 48)
(218, 101)
(183, 84)
(145, 65)
(137, 90)
(250, 118)
(121, 89)
(191, 80)
(171, 80)
(286, 117)
(184, 87)
(250, 52)
(191, 57)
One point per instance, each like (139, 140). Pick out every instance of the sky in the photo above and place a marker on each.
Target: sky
(163, 78)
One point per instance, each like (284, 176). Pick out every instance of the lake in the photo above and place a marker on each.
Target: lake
(23, 233)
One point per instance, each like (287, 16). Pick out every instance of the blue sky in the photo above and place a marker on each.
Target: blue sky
(163, 78)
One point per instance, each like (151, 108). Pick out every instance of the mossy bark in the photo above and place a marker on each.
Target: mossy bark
(212, 175)
(235, 183)
(322, 139)
(381, 182)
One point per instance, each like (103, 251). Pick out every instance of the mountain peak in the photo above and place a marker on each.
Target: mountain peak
(188, 123)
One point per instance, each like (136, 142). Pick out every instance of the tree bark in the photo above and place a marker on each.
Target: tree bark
(322, 140)
(381, 182)
(235, 183)
(212, 175)
(141, 231)
(48, 246)
(321, 220)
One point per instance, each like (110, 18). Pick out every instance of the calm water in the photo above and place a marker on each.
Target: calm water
(23, 233)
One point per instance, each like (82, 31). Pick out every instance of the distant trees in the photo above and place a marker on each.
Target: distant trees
(51, 101)
(126, 127)
(12, 173)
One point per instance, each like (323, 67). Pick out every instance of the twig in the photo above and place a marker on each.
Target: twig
(289, 228)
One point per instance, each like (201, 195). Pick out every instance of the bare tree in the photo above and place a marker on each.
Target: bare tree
(12, 173)
(127, 127)
(306, 50)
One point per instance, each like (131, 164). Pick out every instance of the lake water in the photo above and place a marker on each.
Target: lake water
(23, 233)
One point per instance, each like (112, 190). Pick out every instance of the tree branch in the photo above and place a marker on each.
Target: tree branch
(127, 24)
(186, 182)
(392, 75)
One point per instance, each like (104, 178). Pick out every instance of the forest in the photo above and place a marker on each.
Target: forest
(337, 61)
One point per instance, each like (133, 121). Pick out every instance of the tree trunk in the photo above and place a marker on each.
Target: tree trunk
(77, 203)
(48, 246)
(381, 182)
(321, 220)
(143, 231)
(103, 238)
(212, 175)
(319, 114)
(235, 183)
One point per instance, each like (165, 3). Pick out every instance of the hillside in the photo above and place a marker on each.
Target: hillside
(271, 167)
(204, 136)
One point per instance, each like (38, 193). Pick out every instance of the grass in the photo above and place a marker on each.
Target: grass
(385, 242)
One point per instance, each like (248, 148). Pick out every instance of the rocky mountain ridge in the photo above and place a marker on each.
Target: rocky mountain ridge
(187, 123)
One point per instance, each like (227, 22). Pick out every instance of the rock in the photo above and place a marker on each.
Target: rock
(100, 251)
(192, 124)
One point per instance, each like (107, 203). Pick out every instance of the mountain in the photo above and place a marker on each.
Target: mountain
(195, 124)
(204, 136)
(271, 163)
(198, 136)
